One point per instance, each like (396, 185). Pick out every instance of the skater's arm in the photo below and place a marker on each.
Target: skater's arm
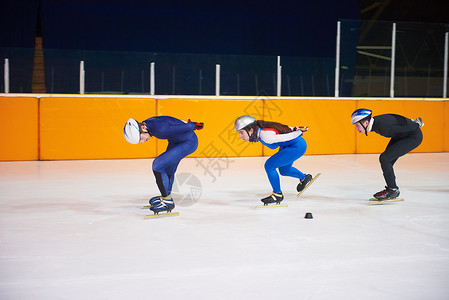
(303, 129)
(178, 128)
(391, 125)
(402, 129)
(389, 130)
(270, 136)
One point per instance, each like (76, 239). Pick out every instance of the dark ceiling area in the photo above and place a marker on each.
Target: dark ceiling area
(433, 11)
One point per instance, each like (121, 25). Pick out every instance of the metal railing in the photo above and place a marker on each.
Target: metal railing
(387, 59)
(373, 59)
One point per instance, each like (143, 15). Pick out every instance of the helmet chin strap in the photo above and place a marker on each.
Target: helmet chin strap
(365, 127)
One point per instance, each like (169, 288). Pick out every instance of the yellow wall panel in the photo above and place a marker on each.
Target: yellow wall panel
(432, 113)
(91, 128)
(218, 138)
(19, 128)
(446, 126)
(329, 132)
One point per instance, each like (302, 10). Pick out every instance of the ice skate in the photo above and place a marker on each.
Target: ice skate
(375, 201)
(306, 182)
(273, 198)
(388, 193)
(164, 204)
(303, 183)
(155, 200)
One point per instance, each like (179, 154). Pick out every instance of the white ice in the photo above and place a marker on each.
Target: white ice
(76, 230)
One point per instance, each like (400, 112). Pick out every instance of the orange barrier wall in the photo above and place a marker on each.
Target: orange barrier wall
(91, 128)
(218, 138)
(330, 130)
(19, 128)
(64, 127)
(434, 114)
(445, 126)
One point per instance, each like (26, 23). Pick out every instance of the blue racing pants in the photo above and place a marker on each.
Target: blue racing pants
(166, 164)
(283, 160)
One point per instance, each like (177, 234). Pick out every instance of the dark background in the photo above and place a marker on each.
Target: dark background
(227, 27)
(284, 28)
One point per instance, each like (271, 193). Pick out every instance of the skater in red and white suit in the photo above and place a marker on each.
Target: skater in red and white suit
(291, 147)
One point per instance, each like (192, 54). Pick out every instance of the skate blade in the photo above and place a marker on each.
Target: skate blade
(271, 206)
(162, 215)
(377, 201)
(147, 206)
(311, 181)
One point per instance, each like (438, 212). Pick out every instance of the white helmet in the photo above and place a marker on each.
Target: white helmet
(131, 131)
(243, 121)
(360, 114)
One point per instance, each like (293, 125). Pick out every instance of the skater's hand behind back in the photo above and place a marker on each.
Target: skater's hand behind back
(198, 125)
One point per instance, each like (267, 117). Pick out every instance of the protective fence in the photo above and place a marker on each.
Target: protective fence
(373, 59)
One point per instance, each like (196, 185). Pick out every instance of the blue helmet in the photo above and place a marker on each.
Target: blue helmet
(360, 115)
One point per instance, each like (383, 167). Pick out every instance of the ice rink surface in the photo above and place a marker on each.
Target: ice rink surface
(76, 230)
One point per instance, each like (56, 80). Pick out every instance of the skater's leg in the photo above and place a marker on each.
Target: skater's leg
(394, 150)
(290, 155)
(278, 160)
(171, 170)
(165, 165)
(296, 152)
(273, 176)
(162, 182)
(291, 171)
(283, 160)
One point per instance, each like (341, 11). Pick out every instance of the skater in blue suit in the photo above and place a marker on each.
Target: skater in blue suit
(182, 141)
(291, 147)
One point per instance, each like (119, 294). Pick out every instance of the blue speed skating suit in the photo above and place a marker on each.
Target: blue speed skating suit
(182, 141)
(291, 147)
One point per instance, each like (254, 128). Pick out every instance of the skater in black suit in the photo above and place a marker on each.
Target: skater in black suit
(405, 136)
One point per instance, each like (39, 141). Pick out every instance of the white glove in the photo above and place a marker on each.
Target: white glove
(419, 121)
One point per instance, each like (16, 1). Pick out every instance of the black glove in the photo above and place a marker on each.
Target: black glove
(198, 125)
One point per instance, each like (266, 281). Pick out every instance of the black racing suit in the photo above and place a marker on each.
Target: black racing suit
(405, 136)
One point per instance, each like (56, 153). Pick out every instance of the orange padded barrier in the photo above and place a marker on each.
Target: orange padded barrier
(92, 128)
(330, 130)
(19, 128)
(432, 113)
(76, 127)
(218, 138)
(443, 125)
